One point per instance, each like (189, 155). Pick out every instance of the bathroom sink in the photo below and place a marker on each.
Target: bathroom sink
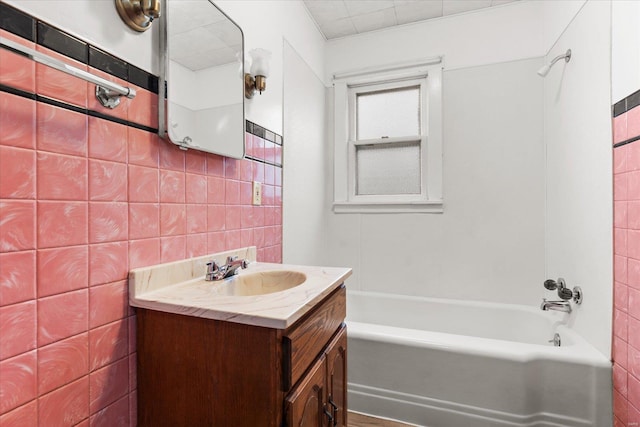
(259, 283)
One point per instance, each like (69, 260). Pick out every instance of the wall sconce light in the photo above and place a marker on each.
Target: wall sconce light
(260, 69)
(138, 14)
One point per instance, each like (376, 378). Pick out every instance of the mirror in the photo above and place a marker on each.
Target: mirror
(202, 53)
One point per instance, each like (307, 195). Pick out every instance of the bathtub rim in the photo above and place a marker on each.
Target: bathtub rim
(577, 351)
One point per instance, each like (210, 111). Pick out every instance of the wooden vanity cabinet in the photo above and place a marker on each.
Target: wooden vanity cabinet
(320, 399)
(193, 371)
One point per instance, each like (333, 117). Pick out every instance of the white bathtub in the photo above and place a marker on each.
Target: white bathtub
(448, 363)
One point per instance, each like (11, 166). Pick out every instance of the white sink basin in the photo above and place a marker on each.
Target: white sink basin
(259, 283)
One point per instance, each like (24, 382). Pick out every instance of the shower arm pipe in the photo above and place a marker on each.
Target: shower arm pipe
(108, 93)
(566, 56)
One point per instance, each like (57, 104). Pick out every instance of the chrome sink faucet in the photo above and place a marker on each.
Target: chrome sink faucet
(562, 305)
(219, 272)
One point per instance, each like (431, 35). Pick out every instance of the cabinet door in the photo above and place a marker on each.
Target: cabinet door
(336, 355)
(305, 405)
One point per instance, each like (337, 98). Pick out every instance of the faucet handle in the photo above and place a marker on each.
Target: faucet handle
(565, 293)
(552, 285)
(212, 270)
(212, 266)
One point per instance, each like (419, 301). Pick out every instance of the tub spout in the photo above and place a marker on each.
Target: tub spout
(563, 306)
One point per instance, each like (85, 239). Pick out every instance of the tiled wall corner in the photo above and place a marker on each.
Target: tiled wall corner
(86, 194)
(626, 310)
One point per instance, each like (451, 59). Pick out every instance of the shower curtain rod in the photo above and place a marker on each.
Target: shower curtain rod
(108, 93)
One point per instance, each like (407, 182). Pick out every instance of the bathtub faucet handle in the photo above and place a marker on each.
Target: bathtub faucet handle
(565, 293)
(552, 285)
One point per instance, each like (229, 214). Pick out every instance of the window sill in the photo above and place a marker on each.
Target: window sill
(432, 206)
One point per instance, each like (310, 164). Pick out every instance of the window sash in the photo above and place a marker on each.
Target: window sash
(353, 92)
(364, 123)
(393, 198)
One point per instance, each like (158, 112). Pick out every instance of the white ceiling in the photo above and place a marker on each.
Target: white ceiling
(339, 18)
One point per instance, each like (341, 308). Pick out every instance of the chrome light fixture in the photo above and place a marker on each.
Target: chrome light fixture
(256, 80)
(138, 14)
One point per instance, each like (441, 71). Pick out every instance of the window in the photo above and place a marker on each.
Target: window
(388, 150)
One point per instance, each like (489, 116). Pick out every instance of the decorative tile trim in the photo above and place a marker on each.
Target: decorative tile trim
(626, 104)
(267, 135)
(263, 133)
(44, 34)
(17, 22)
(627, 141)
(141, 78)
(266, 162)
(61, 42)
(17, 92)
(107, 63)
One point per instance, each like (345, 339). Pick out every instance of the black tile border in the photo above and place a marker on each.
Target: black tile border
(626, 104)
(102, 61)
(140, 77)
(17, 92)
(255, 159)
(21, 24)
(61, 42)
(625, 142)
(623, 106)
(17, 22)
(263, 133)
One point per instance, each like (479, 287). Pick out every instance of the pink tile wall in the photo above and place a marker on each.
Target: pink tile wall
(82, 201)
(626, 312)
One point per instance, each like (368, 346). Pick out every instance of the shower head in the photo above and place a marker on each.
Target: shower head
(544, 70)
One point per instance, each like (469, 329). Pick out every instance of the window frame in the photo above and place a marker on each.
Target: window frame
(353, 92)
(346, 89)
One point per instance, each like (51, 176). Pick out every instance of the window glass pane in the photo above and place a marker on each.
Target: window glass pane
(388, 169)
(388, 113)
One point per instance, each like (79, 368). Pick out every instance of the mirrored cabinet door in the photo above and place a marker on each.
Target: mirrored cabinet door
(201, 63)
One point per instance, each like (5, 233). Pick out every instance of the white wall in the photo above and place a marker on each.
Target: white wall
(493, 164)
(577, 104)
(625, 55)
(488, 243)
(486, 36)
(264, 24)
(305, 172)
(557, 16)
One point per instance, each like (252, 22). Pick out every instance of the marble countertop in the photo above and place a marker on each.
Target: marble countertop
(179, 287)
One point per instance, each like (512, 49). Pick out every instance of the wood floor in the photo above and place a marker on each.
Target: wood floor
(359, 420)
